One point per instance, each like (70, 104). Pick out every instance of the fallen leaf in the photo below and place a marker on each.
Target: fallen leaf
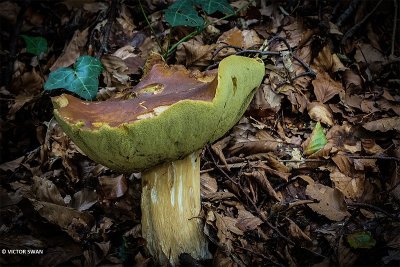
(12, 165)
(84, 199)
(331, 201)
(325, 87)
(361, 240)
(296, 231)
(351, 186)
(46, 190)
(383, 125)
(72, 51)
(246, 221)
(320, 112)
(316, 141)
(208, 184)
(113, 187)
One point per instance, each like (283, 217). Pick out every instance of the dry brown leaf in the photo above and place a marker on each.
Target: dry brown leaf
(246, 221)
(265, 101)
(296, 231)
(208, 184)
(70, 220)
(271, 172)
(344, 163)
(329, 62)
(343, 138)
(12, 165)
(117, 67)
(353, 82)
(366, 53)
(352, 187)
(389, 105)
(215, 196)
(126, 20)
(371, 147)
(325, 87)
(254, 147)
(46, 190)
(221, 259)
(218, 146)
(320, 112)
(366, 164)
(272, 11)
(84, 199)
(194, 53)
(261, 179)
(30, 83)
(9, 10)
(225, 237)
(384, 125)
(346, 256)
(230, 224)
(331, 201)
(113, 187)
(95, 7)
(72, 51)
(244, 39)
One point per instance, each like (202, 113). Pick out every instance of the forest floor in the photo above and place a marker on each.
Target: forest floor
(274, 192)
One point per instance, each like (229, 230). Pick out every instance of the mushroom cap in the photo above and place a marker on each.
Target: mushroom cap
(173, 115)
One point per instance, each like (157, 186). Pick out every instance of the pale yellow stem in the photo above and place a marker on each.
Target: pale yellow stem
(170, 210)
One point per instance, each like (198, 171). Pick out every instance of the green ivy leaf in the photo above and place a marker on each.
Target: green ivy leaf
(35, 45)
(361, 240)
(183, 13)
(212, 6)
(82, 79)
(318, 140)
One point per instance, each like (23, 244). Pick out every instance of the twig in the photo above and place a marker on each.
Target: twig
(151, 28)
(259, 255)
(261, 216)
(347, 13)
(394, 27)
(107, 28)
(13, 42)
(365, 205)
(241, 164)
(373, 157)
(355, 28)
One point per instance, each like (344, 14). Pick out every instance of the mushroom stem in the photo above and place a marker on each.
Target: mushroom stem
(170, 209)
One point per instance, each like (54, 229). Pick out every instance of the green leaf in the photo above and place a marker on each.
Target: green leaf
(183, 13)
(317, 140)
(35, 45)
(82, 80)
(361, 240)
(212, 6)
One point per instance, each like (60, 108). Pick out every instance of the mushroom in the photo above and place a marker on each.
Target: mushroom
(160, 133)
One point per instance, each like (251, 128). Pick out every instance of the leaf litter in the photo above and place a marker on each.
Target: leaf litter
(309, 176)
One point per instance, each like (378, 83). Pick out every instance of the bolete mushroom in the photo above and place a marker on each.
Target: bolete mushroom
(160, 133)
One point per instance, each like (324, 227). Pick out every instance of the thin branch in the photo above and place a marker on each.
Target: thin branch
(107, 28)
(396, 7)
(151, 28)
(372, 157)
(347, 13)
(261, 216)
(356, 27)
(259, 255)
(369, 206)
